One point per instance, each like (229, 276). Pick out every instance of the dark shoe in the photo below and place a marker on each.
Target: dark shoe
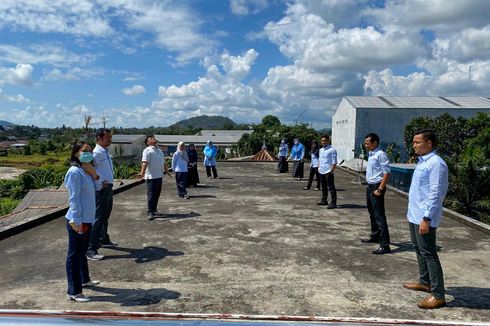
(332, 206)
(91, 283)
(369, 240)
(306, 188)
(108, 244)
(431, 302)
(158, 214)
(322, 203)
(151, 216)
(416, 287)
(186, 197)
(382, 250)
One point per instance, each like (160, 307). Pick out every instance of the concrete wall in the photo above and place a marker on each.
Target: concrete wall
(343, 130)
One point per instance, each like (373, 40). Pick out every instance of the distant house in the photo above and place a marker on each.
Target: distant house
(127, 145)
(224, 139)
(387, 116)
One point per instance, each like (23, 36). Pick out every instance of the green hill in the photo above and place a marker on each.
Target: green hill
(205, 122)
(5, 124)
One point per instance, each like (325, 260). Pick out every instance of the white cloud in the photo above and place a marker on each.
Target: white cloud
(77, 17)
(21, 74)
(315, 44)
(75, 73)
(247, 7)
(133, 91)
(44, 54)
(439, 15)
(19, 98)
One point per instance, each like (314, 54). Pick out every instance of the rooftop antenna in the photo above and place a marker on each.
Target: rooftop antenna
(300, 116)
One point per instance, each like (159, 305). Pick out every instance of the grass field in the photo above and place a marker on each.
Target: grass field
(28, 162)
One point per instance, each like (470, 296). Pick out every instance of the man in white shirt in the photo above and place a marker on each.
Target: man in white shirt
(327, 162)
(152, 170)
(377, 174)
(99, 236)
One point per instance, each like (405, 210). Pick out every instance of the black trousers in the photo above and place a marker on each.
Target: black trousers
(208, 171)
(430, 269)
(282, 166)
(181, 181)
(192, 176)
(376, 208)
(76, 260)
(314, 173)
(103, 205)
(153, 191)
(328, 185)
(298, 169)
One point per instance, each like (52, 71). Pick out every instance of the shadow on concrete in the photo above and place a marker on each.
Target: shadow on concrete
(201, 196)
(225, 178)
(203, 186)
(133, 297)
(469, 297)
(169, 216)
(406, 246)
(144, 255)
(351, 206)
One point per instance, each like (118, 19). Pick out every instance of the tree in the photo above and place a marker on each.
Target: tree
(87, 120)
(271, 121)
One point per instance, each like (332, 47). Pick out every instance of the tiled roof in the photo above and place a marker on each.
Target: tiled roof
(264, 155)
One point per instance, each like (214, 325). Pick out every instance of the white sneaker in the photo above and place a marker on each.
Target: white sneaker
(95, 257)
(91, 283)
(78, 298)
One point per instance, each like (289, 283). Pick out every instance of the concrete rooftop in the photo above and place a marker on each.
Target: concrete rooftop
(250, 243)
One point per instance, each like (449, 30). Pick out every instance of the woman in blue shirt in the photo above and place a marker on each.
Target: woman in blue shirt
(79, 180)
(179, 166)
(314, 154)
(210, 152)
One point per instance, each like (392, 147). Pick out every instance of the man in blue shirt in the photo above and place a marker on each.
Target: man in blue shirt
(377, 175)
(327, 162)
(426, 196)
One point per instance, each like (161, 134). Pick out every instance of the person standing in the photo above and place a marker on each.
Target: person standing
(210, 151)
(297, 155)
(425, 198)
(179, 166)
(377, 174)
(314, 154)
(327, 162)
(192, 172)
(79, 180)
(152, 170)
(99, 236)
(283, 166)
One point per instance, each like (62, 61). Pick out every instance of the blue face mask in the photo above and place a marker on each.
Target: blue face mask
(86, 157)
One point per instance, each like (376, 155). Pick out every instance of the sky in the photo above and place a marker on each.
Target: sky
(140, 63)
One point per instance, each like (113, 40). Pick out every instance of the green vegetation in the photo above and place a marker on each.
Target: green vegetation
(465, 146)
(270, 131)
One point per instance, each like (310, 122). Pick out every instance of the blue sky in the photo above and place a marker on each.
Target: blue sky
(154, 62)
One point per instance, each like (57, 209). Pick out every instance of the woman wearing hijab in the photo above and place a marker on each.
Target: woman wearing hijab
(179, 166)
(297, 155)
(79, 181)
(210, 152)
(283, 166)
(314, 154)
(192, 173)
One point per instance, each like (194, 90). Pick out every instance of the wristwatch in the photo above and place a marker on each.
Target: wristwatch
(427, 219)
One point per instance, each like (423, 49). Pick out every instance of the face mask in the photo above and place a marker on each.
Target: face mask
(86, 157)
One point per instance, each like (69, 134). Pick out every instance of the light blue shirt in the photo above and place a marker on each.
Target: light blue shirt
(377, 167)
(179, 162)
(427, 190)
(327, 158)
(210, 155)
(314, 161)
(298, 152)
(81, 196)
(103, 165)
(283, 150)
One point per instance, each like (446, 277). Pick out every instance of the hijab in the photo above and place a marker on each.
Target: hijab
(192, 153)
(182, 153)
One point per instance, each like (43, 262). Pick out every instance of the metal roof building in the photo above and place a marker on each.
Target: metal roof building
(387, 116)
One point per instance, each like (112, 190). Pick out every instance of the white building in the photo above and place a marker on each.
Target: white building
(127, 145)
(387, 116)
